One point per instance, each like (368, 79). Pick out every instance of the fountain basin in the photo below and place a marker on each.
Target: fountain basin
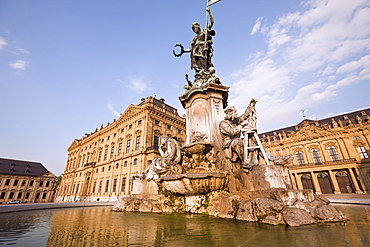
(194, 183)
(197, 148)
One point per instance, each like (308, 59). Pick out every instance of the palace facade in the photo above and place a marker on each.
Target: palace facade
(331, 155)
(26, 181)
(100, 165)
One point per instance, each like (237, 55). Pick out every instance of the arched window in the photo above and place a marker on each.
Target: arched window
(135, 162)
(316, 156)
(300, 158)
(333, 153)
(125, 164)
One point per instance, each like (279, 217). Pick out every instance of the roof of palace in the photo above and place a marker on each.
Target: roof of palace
(346, 119)
(21, 167)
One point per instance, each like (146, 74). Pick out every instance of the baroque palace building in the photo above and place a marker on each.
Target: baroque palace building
(100, 165)
(25, 181)
(331, 155)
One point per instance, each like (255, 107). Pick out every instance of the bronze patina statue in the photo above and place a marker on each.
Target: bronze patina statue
(201, 50)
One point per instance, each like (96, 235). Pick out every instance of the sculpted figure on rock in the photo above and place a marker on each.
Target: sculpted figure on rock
(169, 163)
(233, 126)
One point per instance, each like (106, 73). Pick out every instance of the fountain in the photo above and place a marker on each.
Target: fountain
(223, 169)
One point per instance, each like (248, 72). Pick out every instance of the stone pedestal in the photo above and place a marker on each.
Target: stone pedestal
(142, 186)
(204, 112)
(262, 177)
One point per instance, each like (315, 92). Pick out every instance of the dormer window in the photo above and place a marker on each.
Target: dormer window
(345, 117)
(363, 113)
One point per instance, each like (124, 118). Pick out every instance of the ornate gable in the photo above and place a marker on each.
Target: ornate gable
(308, 132)
(131, 111)
(73, 145)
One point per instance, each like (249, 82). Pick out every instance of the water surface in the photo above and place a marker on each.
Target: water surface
(99, 226)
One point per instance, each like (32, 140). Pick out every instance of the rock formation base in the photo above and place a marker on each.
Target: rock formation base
(276, 207)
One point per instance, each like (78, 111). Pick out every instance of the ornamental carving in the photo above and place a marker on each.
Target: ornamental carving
(138, 132)
(308, 132)
(129, 135)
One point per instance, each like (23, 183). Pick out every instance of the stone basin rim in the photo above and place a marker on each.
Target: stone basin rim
(193, 176)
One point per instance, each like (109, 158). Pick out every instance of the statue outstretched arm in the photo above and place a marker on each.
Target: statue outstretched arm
(211, 19)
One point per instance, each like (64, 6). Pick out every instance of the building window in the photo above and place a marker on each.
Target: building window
(119, 149)
(102, 169)
(15, 183)
(316, 156)
(43, 195)
(123, 185)
(122, 130)
(115, 134)
(97, 170)
(2, 195)
(108, 138)
(47, 184)
(156, 122)
(362, 152)
(24, 182)
(99, 158)
(112, 152)
(41, 183)
(94, 186)
(130, 126)
(114, 185)
(169, 127)
(135, 162)
(139, 122)
(117, 165)
(106, 154)
(107, 186)
(27, 195)
(128, 147)
(300, 158)
(179, 131)
(31, 182)
(156, 142)
(333, 153)
(11, 195)
(7, 181)
(100, 186)
(125, 164)
(37, 196)
(19, 196)
(356, 138)
(137, 146)
(109, 168)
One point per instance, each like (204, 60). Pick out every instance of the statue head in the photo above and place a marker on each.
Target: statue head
(230, 113)
(196, 27)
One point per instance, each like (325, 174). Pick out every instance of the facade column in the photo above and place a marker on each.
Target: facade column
(360, 180)
(354, 181)
(293, 178)
(299, 181)
(335, 182)
(316, 183)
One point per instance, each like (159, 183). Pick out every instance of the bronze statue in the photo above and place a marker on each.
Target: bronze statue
(201, 50)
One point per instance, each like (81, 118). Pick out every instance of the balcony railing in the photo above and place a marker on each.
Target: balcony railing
(337, 162)
(89, 164)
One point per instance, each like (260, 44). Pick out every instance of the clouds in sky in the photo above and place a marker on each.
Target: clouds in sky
(2, 43)
(19, 64)
(311, 56)
(110, 106)
(137, 85)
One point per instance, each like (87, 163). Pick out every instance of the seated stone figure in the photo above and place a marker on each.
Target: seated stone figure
(231, 129)
(169, 163)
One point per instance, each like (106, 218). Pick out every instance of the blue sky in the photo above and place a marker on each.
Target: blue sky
(66, 67)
